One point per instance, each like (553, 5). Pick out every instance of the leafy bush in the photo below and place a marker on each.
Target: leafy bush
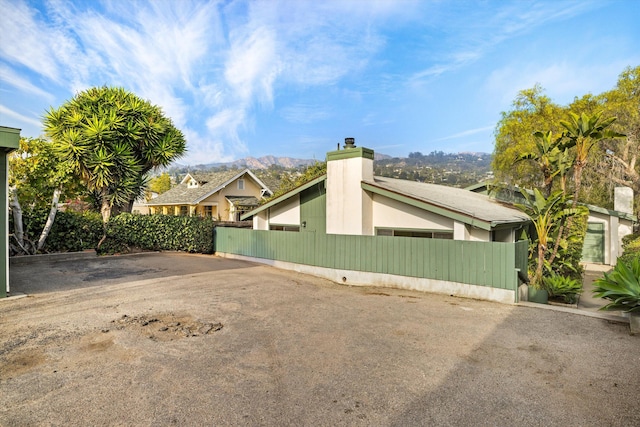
(127, 232)
(630, 247)
(562, 287)
(621, 287)
(71, 231)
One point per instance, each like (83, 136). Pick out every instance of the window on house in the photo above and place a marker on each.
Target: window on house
(208, 211)
(184, 210)
(277, 227)
(241, 184)
(414, 233)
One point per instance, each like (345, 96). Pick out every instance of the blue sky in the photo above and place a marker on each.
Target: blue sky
(294, 78)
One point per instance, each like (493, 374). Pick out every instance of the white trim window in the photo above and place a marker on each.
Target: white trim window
(425, 234)
(241, 184)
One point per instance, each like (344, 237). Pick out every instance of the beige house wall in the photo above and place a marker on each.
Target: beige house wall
(348, 205)
(388, 213)
(287, 212)
(220, 207)
(614, 230)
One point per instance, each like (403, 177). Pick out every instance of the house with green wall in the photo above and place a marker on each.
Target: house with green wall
(605, 227)
(9, 141)
(350, 200)
(355, 228)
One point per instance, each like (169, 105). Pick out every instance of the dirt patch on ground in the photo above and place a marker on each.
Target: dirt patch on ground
(21, 362)
(294, 350)
(165, 327)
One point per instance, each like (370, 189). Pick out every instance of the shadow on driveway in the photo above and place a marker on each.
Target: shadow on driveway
(49, 273)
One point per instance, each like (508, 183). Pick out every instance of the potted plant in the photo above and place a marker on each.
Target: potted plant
(622, 287)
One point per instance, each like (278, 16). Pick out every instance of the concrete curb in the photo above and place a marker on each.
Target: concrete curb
(604, 316)
(15, 296)
(64, 256)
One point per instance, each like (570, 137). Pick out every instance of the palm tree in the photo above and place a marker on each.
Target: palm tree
(111, 139)
(583, 132)
(546, 157)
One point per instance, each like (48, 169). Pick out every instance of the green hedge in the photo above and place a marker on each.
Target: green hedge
(74, 231)
(631, 248)
(127, 232)
(71, 231)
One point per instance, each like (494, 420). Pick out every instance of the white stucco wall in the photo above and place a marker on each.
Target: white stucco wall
(389, 213)
(349, 209)
(287, 212)
(478, 235)
(260, 221)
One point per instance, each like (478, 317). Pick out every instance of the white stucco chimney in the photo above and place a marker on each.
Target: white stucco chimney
(623, 200)
(349, 207)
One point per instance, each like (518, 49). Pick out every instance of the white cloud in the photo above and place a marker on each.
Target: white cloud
(304, 113)
(253, 66)
(466, 133)
(562, 81)
(5, 111)
(474, 34)
(12, 78)
(26, 40)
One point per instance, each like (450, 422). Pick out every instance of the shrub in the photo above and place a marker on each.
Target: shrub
(71, 231)
(630, 247)
(621, 287)
(562, 287)
(127, 232)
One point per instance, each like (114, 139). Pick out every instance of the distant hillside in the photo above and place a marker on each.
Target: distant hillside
(437, 167)
(452, 169)
(264, 162)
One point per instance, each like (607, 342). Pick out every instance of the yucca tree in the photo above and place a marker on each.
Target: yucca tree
(583, 132)
(111, 139)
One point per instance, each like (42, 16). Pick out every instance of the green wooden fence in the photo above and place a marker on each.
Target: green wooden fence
(489, 264)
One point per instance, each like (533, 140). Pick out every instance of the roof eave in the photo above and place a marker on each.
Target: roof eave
(456, 216)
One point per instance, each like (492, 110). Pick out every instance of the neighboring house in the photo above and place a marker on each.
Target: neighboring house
(9, 141)
(141, 204)
(221, 195)
(350, 200)
(605, 228)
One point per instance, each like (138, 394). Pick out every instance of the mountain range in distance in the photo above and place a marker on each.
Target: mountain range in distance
(266, 162)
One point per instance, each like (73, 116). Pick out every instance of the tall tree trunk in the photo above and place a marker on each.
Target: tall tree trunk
(50, 219)
(105, 208)
(16, 210)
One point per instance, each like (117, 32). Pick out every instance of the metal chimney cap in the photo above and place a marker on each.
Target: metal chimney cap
(349, 143)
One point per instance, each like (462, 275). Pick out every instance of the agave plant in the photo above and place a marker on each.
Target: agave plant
(621, 287)
(563, 287)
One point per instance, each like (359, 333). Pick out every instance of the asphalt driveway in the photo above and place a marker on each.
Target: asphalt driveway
(177, 339)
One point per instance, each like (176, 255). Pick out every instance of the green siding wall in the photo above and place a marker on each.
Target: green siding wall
(313, 208)
(489, 264)
(3, 223)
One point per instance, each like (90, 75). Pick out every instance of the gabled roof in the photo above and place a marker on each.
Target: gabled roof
(284, 196)
(208, 184)
(465, 206)
(462, 205)
(243, 201)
